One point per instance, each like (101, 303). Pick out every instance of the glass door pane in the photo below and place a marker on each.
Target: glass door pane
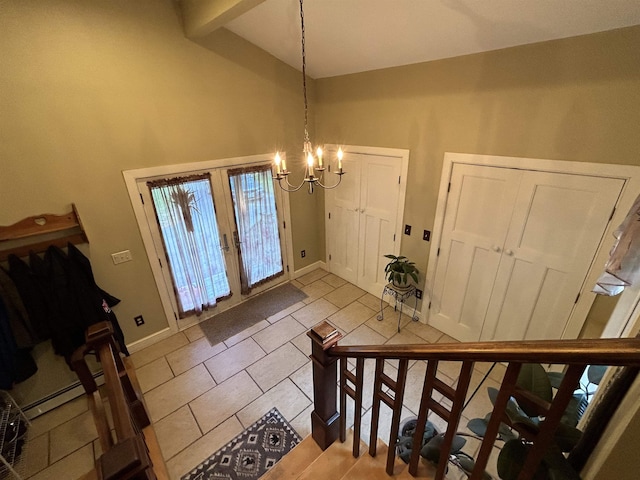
(186, 217)
(257, 233)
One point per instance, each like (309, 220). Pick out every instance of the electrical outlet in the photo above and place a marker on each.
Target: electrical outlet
(139, 320)
(407, 229)
(426, 235)
(303, 253)
(418, 293)
(121, 257)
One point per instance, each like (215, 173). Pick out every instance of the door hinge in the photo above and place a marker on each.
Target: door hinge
(329, 215)
(394, 237)
(577, 298)
(141, 199)
(287, 268)
(284, 224)
(429, 306)
(329, 256)
(160, 262)
(399, 180)
(175, 315)
(438, 252)
(612, 212)
(449, 187)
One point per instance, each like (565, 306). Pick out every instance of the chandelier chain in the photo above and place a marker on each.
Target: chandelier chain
(304, 76)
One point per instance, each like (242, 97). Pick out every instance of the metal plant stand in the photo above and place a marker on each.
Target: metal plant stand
(401, 294)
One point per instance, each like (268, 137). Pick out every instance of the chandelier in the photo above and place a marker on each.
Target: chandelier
(314, 172)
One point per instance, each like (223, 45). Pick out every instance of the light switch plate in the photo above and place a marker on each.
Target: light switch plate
(121, 257)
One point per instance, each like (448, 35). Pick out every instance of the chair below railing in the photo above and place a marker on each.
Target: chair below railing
(129, 455)
(329, 422)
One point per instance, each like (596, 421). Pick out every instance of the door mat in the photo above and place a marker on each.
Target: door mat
(250, 454)
(230, 322)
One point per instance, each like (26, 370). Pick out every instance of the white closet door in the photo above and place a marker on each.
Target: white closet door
(363, 218)
(379, 195)
(344, 223)
(557, 224)
(475, 227)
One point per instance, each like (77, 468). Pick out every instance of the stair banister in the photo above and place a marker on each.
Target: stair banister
(577, 354)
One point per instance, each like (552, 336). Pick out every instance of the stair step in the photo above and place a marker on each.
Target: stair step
(334, 461)
(294, 462)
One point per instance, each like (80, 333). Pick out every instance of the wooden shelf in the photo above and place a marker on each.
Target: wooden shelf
(38, 232)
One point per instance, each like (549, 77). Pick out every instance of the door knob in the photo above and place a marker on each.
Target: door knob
(495, 248)
(509, 252)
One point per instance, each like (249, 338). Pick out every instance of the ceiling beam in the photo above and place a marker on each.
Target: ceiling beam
(201, 17)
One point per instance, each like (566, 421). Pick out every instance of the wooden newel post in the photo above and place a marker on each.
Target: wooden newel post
(325, 418)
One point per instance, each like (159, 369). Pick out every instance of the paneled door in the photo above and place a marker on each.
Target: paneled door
(516, 247)
(362, 216)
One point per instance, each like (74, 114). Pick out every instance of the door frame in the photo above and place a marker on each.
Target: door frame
(630, 174)
(131, 179)
(403, 156)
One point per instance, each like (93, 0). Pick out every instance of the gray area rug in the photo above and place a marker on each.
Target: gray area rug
(230, 322)
(250, 454)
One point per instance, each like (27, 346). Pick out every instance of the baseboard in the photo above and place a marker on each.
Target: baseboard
(150, 340)
(309, 268)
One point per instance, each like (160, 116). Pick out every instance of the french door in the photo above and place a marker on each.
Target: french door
(217, 234)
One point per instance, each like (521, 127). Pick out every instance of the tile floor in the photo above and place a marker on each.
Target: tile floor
(200, 396)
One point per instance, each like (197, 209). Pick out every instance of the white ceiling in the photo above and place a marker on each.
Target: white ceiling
(349, 36)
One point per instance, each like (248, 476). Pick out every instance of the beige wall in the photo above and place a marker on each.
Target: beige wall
(88, 89)
(576, 99)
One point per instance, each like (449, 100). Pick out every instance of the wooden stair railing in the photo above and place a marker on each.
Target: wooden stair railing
(328, 424)
(128, 455)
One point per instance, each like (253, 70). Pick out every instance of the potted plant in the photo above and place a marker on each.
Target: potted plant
(400, 271)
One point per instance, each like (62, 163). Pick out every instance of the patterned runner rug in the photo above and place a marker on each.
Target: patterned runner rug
(250, 454)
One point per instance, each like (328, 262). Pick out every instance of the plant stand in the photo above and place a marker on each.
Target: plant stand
(401, 294)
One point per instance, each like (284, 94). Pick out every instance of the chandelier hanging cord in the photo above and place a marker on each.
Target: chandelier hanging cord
(304, 79)
(310, 178)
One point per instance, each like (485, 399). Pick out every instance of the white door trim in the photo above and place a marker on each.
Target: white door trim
(403, 156)
(131, 179)
(629, 173)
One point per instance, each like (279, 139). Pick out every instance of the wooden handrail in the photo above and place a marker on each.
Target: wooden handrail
(604, 351)
(575, 354)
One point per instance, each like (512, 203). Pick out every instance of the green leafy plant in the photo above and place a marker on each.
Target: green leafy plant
(399, 270)
(524, 422)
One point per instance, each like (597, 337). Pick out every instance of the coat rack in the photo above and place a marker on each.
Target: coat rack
(41, 231)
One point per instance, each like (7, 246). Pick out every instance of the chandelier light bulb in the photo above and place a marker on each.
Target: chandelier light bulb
(340, 154)
(319, 155)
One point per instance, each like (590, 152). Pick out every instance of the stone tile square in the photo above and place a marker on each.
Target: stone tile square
(427, 332)
(388, 326)
(194, 454)
(334, 280)
(71, 435)
(302, 423)
(316, 290)
(219, 403)
(351, 317)
(286, 397)
(179, 391)
(194, 332)
(344, 295)
(303, 378)
(35, 456)
(153, 374)
(74, 465)
(372, 302)
(176, 431)
(276, 366)
(234, 359)
(278, 334)
(303, 343)
(58, 416)
(157, 350)
(315, 312)
(311, 277)
(187, 357)
(363, 335)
